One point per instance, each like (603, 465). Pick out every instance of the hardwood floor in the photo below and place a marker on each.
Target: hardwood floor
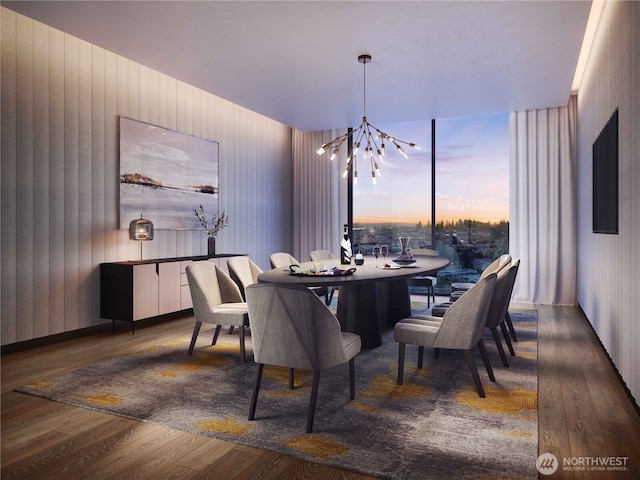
(584, 411)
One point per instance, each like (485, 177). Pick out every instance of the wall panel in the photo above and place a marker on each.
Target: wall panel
(41, 156)
(61, 99)
(55, 194)
(8, 175)
(608, 265)
(71, 99)
(25, 186)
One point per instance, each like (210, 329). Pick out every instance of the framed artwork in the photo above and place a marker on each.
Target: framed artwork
(165, 175)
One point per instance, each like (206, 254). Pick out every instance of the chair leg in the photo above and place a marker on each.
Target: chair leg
(291, 378)
(314, 399)
(352, 378)
(196, 330)
(485, 360)
(436, 353)
(231, 330)
(474, 372)
(243, 357)
(507, 318)
(420, 356)
(256, 388)
(215, 334)
(505, 334)
(496, 338)
(401, 348)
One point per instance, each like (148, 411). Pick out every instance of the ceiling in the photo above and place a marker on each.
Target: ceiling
(296, 61)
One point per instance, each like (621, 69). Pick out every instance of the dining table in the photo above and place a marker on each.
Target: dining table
(371, 297)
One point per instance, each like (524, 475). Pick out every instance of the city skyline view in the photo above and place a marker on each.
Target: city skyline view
(472, 173)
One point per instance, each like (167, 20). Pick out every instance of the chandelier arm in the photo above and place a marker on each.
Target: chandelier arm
(358, 138)
(411, 144)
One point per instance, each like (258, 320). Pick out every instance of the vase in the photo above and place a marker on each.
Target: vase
(211, 246)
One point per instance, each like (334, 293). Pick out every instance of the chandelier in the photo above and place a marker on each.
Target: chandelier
(366, 134)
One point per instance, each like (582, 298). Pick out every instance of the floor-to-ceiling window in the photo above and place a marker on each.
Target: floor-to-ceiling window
(471, 195)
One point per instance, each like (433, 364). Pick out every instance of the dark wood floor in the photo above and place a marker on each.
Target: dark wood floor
(583, 412)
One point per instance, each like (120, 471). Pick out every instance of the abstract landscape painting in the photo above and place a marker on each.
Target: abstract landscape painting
(165, 176)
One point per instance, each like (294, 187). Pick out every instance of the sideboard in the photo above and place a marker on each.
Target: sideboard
(135, 290)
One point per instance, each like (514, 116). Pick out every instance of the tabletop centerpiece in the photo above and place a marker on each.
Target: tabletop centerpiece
(405, 258)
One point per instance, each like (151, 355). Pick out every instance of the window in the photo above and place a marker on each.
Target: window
(472, 194)
(399, 204)
(471, 198)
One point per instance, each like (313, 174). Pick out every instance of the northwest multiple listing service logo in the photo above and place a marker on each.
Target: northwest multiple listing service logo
(548, 464)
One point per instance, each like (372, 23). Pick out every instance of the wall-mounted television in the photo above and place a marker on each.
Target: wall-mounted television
(605, 178)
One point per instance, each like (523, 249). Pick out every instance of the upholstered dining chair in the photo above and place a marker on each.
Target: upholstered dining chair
(216, 300)
(285, 260)
(498, 310)
(291, 327)
(495, 266)
(428, 281)
(461, 328)
(243, 271)
(320, 255)
(499, 307)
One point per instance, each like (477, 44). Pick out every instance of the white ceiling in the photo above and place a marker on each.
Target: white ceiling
(296, 61)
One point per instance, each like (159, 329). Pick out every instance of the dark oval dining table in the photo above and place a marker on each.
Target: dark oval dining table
(371, 298)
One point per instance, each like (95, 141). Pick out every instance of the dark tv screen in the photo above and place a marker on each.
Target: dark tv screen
(605, 178)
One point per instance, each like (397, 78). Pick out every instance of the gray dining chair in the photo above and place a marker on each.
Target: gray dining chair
(291, 327)
(498, 310)
(427, 281)
(496, 318)
(461, 328)
(244, 272)
(285, 260)
(320, 255)
(216, 300)
(458, 288)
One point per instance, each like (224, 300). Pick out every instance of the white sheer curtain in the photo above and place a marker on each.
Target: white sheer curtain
(319, 207)
(543, 216)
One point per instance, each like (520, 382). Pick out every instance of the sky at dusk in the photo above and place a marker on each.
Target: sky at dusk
(472, 173)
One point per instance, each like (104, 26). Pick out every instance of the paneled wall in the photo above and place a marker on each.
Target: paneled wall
(61, 98)
(609, 265)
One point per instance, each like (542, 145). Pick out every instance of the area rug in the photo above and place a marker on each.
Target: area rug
(433, 427)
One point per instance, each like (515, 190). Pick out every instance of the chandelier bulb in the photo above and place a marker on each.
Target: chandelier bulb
(417, 147)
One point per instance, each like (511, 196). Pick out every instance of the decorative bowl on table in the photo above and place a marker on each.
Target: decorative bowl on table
(404, 260)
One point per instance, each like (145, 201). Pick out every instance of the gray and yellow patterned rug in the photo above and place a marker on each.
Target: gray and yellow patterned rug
(433, 427)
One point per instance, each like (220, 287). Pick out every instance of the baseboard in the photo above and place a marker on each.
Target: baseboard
(50, 339)
(611, 362)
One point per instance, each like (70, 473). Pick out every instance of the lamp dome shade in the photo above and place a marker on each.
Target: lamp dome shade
(141, 229)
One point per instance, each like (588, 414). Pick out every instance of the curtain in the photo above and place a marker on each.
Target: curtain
(543, 212)
(319, 195)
